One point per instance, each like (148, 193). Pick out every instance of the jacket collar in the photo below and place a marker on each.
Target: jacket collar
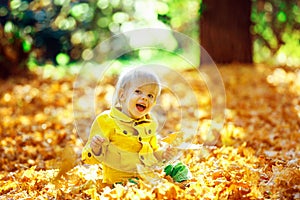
(117, 114)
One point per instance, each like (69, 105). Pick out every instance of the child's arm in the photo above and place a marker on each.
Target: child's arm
(169, 153)
(96, 144)
(87, 155)
(92, 151)
(162, 154)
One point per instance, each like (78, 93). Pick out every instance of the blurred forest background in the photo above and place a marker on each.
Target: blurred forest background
(255, 43)
(64, 32)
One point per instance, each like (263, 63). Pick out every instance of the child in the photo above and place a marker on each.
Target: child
(125, 136)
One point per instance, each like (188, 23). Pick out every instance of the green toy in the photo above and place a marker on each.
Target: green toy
(179, 172)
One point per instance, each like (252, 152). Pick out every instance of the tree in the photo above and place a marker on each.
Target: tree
(276, 31)
(225, 30)
(12, 55)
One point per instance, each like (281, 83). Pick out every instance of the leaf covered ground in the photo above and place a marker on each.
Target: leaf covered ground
(256, 157)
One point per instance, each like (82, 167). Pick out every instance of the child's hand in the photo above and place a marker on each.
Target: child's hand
(169, 153)
(96, 144)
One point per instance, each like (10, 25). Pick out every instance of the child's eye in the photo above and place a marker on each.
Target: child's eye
(151, 96)
(138, 91)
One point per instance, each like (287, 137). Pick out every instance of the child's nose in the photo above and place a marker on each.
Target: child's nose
(144, 97)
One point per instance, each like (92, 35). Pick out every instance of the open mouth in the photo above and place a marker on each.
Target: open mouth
(140, 107)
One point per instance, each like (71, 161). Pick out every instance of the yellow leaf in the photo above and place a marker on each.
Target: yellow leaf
(92, 192)
(68, 161)
(174, 138)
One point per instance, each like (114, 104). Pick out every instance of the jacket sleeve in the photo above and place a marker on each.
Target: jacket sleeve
(157, 150)
(99, 127)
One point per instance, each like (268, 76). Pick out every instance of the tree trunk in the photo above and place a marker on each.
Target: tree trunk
(12, 57)
(225, 30)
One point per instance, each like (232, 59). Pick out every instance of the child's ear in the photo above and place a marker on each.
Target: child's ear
(154, 103)
(121, 95)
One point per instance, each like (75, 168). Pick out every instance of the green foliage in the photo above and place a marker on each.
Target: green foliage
(65, 31)
(76, 27)
(276, 31)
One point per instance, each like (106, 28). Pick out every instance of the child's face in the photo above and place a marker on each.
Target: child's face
(139, 100)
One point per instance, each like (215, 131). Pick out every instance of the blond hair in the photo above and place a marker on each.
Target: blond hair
(134, 76)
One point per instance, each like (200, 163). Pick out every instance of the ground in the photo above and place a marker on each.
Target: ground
(255, 156)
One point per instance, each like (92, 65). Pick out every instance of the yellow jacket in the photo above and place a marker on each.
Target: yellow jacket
(128, 142)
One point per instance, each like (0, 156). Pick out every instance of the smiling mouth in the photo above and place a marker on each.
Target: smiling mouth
(140, 107)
